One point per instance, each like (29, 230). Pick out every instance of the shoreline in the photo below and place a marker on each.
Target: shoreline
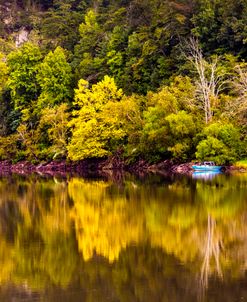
(95, 165)
(103, 166)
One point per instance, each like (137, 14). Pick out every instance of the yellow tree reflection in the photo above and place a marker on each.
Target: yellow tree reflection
(104, 226)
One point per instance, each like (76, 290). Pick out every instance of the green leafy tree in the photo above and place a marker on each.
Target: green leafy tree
(87, 61)
(159, 131)
(222, 144)
(23, 66)
(55, 79)
(220, 25)
(181, 129)
(116, 56)
(60, 26)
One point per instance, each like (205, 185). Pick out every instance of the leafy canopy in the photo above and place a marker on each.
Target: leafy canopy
(94, 127)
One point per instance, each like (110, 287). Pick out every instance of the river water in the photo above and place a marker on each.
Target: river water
(150, 239)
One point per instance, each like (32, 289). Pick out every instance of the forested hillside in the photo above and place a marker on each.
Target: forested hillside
(145, 79)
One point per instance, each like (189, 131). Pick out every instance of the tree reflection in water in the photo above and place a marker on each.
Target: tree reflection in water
(211, 252)
(135, 241)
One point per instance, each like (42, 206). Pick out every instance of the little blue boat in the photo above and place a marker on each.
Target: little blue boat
(207, 166)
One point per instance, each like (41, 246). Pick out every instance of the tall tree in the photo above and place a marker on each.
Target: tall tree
(23, 68)
(209, 81)
(94, 128)
(55, 79)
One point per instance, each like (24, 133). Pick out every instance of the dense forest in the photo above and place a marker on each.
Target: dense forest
(146, 79)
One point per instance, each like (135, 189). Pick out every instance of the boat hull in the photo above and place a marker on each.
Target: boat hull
(206, 168)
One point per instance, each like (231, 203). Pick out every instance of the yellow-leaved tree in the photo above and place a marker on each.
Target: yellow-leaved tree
(96, 129)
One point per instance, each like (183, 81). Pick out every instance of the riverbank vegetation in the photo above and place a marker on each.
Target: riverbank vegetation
(142, 79)
(242, 164)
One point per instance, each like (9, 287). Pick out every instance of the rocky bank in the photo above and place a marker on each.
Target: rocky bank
(94, 165)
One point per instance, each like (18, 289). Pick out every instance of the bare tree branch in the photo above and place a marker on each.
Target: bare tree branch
(209, 83)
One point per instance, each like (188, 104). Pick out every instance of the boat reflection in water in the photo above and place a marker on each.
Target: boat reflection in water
(205, 174)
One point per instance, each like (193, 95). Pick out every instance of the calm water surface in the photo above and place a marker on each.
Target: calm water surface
(142, 240)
